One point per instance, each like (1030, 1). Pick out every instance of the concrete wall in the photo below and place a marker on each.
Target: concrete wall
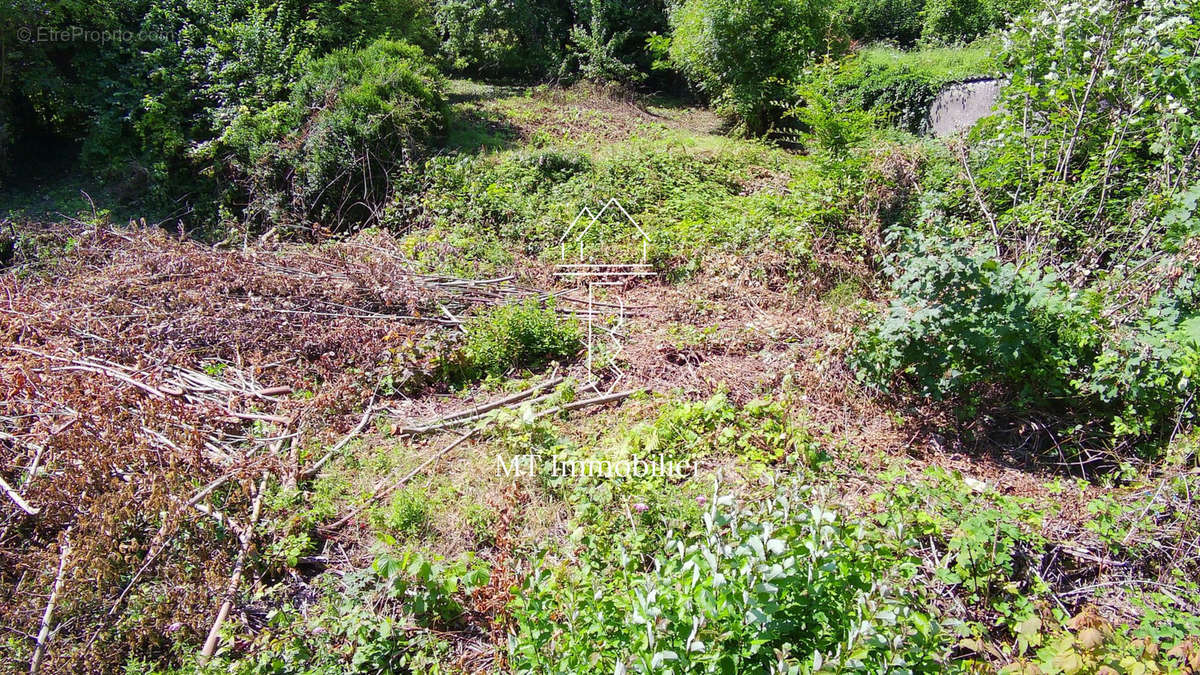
(961, 105)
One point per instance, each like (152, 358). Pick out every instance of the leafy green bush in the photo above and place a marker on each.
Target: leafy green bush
(328, 154)
(519, 335)
(968, 326)
(407, 513)
(338, 25)
(1082, 314)
(948, 21)
(779, 587)
(743, 54)
(826, 126)
(523, 39)
(960, 319)
(762, 431)
(600, 40)
(896, 93)
(429, 589)
(904, 22)
(157, 82)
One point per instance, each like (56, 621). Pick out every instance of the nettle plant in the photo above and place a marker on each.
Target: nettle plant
(779, 587)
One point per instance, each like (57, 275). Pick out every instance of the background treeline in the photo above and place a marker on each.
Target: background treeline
(244, 110)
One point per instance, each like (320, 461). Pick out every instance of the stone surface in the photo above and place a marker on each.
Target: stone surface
(961, 105)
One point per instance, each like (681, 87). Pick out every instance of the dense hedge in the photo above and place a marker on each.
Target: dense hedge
(905, 22)
(328, 153)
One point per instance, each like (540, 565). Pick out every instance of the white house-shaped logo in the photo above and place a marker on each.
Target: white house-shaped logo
(601, 274)
(594, 218)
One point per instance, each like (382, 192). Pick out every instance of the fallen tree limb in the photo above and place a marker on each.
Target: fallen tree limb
(116, 374)
(285, 421)
(458, 421)
(44, 633)
(312, 471)
(214, 633)
(599, 400)
(461, 416)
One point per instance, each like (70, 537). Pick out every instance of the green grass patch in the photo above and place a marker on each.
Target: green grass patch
(944, 64)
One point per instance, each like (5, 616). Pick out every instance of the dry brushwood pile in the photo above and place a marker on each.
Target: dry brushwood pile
(149, 386)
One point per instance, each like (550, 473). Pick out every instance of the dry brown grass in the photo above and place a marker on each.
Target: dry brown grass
(136, 368)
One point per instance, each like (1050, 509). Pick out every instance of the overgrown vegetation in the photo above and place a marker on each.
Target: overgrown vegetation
(1078, 299)
(328, 155)
(670, 341)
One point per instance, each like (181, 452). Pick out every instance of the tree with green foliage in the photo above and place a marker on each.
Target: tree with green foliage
(608, 41)
(869, 20)
(1098, 138)
(529, 40)
(743, 54)
(519, 39)
(950, 21)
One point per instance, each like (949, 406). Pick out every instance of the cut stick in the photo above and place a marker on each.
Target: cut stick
(457, 321)
(479, 409)
(220, 518)
(362, 424)
(599, 400)
(33, 466)
(113, 373)
(379, 494)
(17, 499)
(214, 633)
(285, 421)
(44, 634)
(293, 463)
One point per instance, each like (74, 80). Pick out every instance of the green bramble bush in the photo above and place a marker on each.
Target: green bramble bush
(519, 335)
(966, 326)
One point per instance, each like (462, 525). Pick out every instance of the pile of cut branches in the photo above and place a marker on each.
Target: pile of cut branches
(150, 386)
